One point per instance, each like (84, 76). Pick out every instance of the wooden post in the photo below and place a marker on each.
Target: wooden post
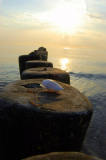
(63, 156)
(48, 73)
(24, 58)
(37, 63)
(40, 54)
(34, 121)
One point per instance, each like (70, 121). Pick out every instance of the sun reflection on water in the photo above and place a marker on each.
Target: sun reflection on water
(64, 64)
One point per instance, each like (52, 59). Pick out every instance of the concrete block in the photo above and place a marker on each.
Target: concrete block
(48, 73)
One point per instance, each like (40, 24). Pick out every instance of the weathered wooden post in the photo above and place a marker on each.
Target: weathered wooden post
(63, 156)
(33, 121)
(42, 51)
(24, 58)
(37, 63)
(40, 54)
(48, 73)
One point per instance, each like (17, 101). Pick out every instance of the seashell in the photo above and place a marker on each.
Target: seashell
(51, 85)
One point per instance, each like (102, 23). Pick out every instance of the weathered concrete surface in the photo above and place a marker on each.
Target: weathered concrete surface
(33, 121)
(42, 52)
(48, 73)
(63, 156)
(37, 63)
(23, 58)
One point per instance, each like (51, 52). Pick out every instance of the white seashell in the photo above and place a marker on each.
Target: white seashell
(51, 85)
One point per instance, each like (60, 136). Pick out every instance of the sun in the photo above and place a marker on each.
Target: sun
(67, 17)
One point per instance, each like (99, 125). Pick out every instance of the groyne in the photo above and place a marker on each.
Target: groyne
(36, 122)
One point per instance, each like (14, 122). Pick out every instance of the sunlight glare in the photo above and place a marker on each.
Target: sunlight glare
(66, 48)
(64, 63)
(66, 17)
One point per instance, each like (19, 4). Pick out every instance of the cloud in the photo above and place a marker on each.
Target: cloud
(33, 6)
(46, 14)
(80, 31)
(23, 21)
(96, 7)
(47, 38)
(96, 17)
(32, 22)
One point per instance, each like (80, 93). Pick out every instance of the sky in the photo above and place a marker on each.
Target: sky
(56, 23)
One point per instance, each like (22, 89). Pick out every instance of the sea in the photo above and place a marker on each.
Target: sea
(87, 70)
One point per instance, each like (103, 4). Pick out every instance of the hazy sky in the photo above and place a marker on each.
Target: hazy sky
(61, 23)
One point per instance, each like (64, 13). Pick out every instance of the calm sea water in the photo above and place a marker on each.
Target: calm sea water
(87, 69)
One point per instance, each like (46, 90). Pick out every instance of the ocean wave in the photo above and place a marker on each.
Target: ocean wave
(88, 75)
(2, 84)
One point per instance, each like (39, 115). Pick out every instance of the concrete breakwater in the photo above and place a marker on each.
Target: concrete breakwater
(34, 121)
